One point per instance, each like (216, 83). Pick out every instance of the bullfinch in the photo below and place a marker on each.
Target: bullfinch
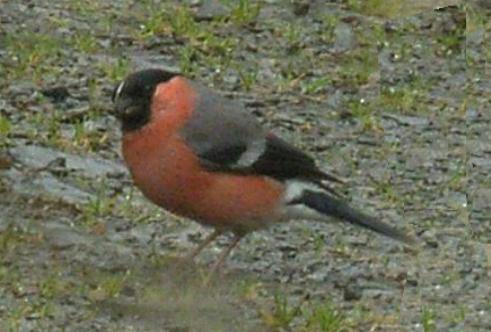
(202, 156)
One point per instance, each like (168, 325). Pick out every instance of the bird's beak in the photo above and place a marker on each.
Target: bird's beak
(123, 107)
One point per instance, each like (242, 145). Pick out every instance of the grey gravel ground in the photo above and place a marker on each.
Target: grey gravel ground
(392, 97)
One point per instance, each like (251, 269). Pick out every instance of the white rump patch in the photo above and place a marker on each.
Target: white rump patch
(294, 190)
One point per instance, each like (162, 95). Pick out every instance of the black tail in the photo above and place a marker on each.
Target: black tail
(335, 207)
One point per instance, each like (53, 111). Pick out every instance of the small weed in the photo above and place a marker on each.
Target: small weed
(10, 238)
(182, 23)
(84, 139)
(56, 22)
(248, 78)
(51, 286)
(154, 25)
(250, 289)
(205, 47)
(329, 23)
(451, 43)
(176, 21)
(30, 54)
(283, 313)
(375, 35)
(113, 284)
(319, 242)
(99, 206)
(428, 319)
(84, 7)
(106, 24)
(458, 178)
(363, 111)
(245, 12)
(7, 273)
(386, 190)
(458, 315)
(54, 130)
(454, 40)
(293, 35)
(381, 8)
(202, 42)
(127, 208)
(402, 100)
(211, 44)
(326, 318)
(117, 70)
(5, 127)
(46, 128)
(84, 41)
(292, 71)
(108, 286)
(410, 97)
(357, 67)
(188, 60)
(316, 85)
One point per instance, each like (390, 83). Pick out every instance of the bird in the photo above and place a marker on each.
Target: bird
(203, 156)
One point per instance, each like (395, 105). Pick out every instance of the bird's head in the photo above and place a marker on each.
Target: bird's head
(132, 97)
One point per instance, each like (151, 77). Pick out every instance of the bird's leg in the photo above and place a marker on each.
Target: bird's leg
(203, 244)
(225, 253)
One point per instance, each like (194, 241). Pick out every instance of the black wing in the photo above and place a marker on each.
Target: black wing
(283, 161)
